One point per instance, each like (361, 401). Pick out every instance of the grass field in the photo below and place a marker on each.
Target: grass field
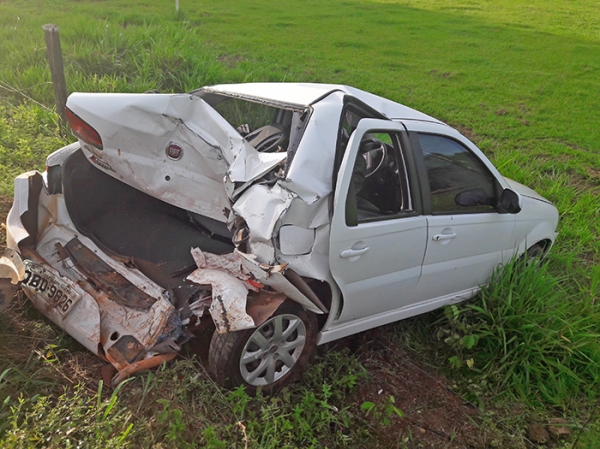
(520, 79)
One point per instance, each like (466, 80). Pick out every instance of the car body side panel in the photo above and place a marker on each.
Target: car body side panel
(309, 175)
(12, 270)
(335, 331)
(536, 222)
(15, 230)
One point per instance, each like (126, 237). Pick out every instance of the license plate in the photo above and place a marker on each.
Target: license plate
(57, 293)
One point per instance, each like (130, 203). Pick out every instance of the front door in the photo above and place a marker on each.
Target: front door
(467, 238)
(378, 236)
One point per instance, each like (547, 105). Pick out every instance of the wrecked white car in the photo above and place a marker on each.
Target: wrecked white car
(284, 215)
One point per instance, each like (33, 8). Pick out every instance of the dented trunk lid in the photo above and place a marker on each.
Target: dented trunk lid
(174, 147)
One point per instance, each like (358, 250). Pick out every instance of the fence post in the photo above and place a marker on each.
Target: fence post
(55, 60)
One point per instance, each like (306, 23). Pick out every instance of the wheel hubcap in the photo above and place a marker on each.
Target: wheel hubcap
(272, 350)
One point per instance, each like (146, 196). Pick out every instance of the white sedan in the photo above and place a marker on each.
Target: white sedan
(282, 215)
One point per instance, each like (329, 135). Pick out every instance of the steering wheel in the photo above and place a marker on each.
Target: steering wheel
(374, 152)
(267, 139)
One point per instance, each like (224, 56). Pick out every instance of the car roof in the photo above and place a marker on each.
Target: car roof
(305, 94)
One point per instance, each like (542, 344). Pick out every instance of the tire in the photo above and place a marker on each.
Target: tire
(534, 255)
(268, 357)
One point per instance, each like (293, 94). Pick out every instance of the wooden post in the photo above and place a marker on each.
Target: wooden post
(55, 60)
(176, 5)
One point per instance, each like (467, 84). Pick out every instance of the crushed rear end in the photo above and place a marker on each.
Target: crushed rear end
(128, 241)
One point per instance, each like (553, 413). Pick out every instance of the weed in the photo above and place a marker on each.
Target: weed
(72, 420)
(173, 417)
(525, 335)
(383, 413)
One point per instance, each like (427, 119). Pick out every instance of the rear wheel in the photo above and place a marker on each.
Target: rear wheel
(269, 357)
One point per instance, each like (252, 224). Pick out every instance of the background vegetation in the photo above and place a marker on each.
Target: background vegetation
(520, 79)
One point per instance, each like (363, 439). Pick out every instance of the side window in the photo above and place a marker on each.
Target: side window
(458, 180)
(379, 184)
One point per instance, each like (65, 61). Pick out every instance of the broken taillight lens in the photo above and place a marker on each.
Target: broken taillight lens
(82, 130)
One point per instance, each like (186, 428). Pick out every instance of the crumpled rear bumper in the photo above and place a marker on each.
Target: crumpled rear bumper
(58, 270)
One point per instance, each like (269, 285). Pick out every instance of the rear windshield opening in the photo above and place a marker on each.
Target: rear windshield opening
(267, 128)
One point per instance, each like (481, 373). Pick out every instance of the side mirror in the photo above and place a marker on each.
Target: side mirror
(475, 197)
(508, 203)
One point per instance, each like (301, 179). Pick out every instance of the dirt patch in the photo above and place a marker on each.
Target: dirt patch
(230, 61)
(5, 204)
(466, 131)
(434, 416)
(594, 174)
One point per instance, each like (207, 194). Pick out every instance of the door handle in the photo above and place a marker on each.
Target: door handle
(353, 252)
(438, 237)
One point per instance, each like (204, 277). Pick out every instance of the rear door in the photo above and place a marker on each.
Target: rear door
(378, 235)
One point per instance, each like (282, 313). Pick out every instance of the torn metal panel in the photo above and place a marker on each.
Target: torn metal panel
(15, 229)
(95, 318)
(226, 275)
(304, 288)
(228, 307)
(307, 215)
(273, 277)
(149, 363)
(261, 206)
(309, 175)
(60, 156)
(262, 305)
(126, 350)
(230, 263)
(11, 266)
(230, 276)
(315, 264)
(145, 325)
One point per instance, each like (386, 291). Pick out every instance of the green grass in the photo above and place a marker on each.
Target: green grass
(519, 78)
(527, 335)
(179, 406)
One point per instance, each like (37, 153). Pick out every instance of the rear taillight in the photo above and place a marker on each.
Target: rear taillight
(82, 130)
